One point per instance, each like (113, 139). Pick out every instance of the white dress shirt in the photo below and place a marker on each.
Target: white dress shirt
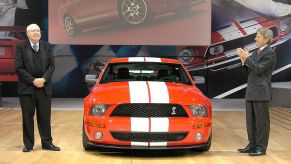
(31, 44)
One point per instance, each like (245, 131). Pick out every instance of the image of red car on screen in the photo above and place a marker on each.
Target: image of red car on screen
(146, 103)
(77, 15)
(233, 26)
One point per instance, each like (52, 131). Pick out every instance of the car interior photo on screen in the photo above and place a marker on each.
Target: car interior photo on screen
(146, 103)
(77, 15)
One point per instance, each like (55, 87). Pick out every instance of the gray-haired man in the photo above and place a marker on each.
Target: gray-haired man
(259, 66)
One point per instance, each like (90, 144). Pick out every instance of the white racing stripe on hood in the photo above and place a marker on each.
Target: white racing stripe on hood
(250, 27)
(138, 91)
(139, 94)
(159, 92)
(230, 33)
(139, 125)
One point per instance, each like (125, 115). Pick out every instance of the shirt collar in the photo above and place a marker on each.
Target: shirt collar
(31, 44)
(261, 48)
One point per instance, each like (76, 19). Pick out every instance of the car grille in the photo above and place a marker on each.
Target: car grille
(149, 136)
(149, 110)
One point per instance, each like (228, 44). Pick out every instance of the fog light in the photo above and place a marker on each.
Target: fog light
(198, 136)
(98, 135)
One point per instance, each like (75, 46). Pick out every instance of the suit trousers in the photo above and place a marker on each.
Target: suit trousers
(258, 123)
(41, 103)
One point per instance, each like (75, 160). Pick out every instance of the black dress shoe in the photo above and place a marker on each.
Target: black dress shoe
(51, 147)
(258, 152)
(247, 149)
(27, 149)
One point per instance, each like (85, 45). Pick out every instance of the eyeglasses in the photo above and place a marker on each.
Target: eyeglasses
(33, 30)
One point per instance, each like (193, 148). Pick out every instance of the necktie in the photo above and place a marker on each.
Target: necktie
(35, 47)
(259, 51)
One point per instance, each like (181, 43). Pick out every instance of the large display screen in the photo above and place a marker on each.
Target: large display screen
(130, 22)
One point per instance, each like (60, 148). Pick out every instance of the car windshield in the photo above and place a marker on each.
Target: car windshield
(165, 72)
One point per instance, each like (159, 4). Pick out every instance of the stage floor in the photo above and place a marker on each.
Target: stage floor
(229, 133)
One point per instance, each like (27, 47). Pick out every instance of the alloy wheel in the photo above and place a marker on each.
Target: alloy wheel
(134, 11)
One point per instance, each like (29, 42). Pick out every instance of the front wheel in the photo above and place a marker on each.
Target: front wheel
(133, 12)
(71, 27)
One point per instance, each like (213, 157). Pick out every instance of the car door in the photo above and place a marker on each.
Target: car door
(95, 9)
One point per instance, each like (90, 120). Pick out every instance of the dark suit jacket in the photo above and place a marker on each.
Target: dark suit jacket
(260, 68)
(25, 67)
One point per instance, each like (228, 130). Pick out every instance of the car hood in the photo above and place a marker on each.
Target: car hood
(146, 92)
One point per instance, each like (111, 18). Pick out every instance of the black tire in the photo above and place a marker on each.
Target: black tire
(137, 15)
(85, 139)
(70, 26)
(207, 147)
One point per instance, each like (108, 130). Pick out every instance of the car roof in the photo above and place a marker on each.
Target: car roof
(144, 59)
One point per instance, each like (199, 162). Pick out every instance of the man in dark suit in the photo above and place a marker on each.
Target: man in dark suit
(35, 66)
(259, 66)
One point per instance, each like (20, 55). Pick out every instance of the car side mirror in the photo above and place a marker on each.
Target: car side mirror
(90, 79)
(199, 79)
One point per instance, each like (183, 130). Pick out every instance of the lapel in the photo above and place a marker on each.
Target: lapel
(29, 54)
(261, 54)
(253, 56)
(43, 54)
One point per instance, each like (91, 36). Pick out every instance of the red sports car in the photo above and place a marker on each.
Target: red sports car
(146, 103)
(77, 15)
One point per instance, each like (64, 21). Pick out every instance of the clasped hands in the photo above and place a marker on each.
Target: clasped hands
(243, 53)
(38, 82)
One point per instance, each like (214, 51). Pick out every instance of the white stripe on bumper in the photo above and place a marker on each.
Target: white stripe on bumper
(158, 144)
(159, 124)
(139, 125)
(140, 144)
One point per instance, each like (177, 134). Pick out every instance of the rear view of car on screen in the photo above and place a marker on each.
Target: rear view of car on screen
(146, 103)
(77, 15)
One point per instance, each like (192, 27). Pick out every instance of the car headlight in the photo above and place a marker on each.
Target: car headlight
(215, 50)
(98, 109)
(198, 110)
